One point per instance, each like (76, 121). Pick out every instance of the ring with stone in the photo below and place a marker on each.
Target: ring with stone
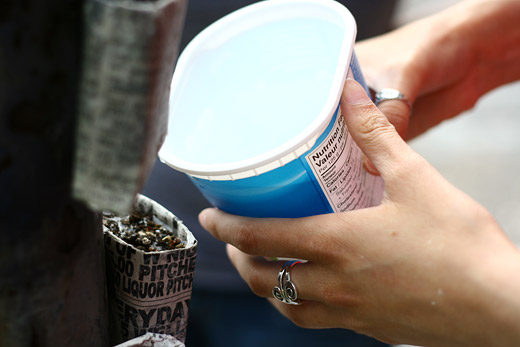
(386, 94)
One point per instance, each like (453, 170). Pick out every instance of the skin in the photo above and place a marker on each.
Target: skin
(444, 63)
(429, 266)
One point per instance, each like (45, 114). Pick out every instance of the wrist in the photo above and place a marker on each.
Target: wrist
(496, 294)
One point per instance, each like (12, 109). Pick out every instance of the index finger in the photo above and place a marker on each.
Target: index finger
(273, 237)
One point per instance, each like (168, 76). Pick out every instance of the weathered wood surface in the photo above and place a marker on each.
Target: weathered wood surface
(52, 287)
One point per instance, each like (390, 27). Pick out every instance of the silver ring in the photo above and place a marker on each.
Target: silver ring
(386, 94)
(286, 291)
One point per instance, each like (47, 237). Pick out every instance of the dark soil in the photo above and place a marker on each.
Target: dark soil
(142, 231)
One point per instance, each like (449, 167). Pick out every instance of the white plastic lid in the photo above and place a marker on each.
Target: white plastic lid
(215, 37)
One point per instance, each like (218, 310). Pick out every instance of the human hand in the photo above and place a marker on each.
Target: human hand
(444, 63)
(429, 266)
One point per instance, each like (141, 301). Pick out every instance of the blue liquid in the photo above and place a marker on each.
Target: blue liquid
(255, 92)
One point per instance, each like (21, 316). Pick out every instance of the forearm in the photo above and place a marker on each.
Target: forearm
(499, 285)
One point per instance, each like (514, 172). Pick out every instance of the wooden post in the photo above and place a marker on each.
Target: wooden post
(52, 284)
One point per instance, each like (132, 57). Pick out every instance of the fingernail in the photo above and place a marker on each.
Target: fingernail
(370, 167)
(202, 218)
(231, 251)
(354, 94)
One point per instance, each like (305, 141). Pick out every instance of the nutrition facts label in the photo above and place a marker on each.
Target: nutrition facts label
(337, 166)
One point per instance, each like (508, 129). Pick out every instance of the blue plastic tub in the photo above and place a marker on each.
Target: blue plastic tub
(254, 112)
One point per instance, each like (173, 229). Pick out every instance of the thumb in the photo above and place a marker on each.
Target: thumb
(370, 129)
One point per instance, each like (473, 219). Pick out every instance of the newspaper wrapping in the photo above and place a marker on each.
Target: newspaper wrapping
(153, 340)
(149, 291)
(129, 54)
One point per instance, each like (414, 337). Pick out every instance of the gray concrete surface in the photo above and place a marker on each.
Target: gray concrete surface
(409, 10)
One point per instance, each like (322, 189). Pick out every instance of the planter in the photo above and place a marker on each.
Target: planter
(149, 286)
